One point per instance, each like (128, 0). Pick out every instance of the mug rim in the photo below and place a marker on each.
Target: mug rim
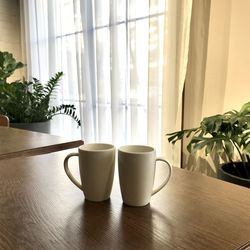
(130, 149)
(96, 147)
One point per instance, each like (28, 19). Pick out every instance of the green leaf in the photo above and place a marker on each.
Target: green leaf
(209, 148)
(8, 65)
(229, 148)
(224, 133)
(245, 109)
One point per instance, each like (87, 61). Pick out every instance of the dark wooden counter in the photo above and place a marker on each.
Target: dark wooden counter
(41, 209)
(17, 142)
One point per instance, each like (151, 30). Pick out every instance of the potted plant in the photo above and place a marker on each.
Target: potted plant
(29, 101)
(228, 135)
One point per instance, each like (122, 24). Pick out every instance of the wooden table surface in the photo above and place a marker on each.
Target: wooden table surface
(17, 142)
(41, 209)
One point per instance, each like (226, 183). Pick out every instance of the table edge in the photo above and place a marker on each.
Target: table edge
(43, 150)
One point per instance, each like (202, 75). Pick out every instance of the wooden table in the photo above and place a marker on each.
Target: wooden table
(41, 209)
(17, 142)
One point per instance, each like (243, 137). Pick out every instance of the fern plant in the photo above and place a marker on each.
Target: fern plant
(228, 134)
(29, 101)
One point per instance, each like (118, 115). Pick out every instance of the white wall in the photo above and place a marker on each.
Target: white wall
(238, 73)
(217, 57)
(227, 80)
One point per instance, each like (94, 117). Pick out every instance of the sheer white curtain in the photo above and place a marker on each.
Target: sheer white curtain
(121, 63)
(40, 38)
(53, 42)
(123, 70)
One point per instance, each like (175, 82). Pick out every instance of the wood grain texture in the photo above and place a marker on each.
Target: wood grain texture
(41, 209)
(4, 121)
(17, 142)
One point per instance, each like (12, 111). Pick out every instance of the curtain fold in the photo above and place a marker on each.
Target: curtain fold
(177, 35)
(195, 80)
(124, 64)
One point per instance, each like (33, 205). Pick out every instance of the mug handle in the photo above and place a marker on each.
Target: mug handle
(168, 177)
(66, 168)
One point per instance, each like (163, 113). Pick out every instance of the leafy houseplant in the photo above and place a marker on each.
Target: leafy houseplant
(228, 135)
(8, 65)
(29, 101)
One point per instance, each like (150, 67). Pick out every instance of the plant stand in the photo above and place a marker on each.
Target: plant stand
(42, 127)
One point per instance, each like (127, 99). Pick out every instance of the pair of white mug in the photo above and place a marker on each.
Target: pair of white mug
(136, 166)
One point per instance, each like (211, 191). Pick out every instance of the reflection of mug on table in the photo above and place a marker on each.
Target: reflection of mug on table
(136, 164)
(96, 165)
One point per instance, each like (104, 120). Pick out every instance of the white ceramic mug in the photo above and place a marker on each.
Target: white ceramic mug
(136, 164)
(96, 165)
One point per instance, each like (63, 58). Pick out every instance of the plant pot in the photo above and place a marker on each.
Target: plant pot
(42, 127)
(236, 173)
